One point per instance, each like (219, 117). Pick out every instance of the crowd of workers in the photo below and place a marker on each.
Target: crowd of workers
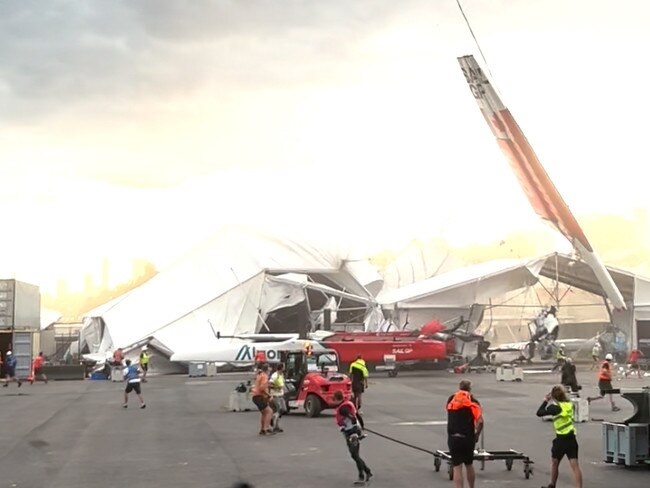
(9, 364)
(131, 373)
(464, 414)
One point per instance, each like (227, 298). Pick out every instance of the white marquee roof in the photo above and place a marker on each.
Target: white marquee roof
(221, 281)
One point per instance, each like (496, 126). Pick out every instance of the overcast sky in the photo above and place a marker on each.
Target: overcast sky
(137, 128)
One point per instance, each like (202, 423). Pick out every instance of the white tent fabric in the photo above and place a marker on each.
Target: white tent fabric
(641, 311)
(641, 293)
(302, 281)
(465, 286)
(366, 275)
(278, 294)
(635, 289)
(221, 281)
(417, 262)
(449, 295)
(235, 312)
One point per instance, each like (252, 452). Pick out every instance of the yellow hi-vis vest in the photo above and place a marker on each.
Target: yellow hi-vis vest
(277, 384)
(563, 422)
(359, 364)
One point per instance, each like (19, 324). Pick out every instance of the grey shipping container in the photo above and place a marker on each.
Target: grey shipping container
(20, 306)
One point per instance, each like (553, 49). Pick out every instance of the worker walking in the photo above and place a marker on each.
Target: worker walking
(132, 376)
(144, 363)
(605, 382)
(464, 427)
(568, 378)
(359, 375)
(10, 370)
(633, 361)
(346, 419)
(595, 354)
(261, 399)
(278, 403)
(565, 442)
(560, 358)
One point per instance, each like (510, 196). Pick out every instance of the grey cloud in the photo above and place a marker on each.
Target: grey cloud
(61, 54)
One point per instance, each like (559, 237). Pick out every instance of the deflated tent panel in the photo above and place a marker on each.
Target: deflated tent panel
(235, 312)
(277, 294)
(447, 296)
(220, 264)
(466, 286)
(366, 275)
(641, 312)
(418, 261)
(641, 293)
(579, 274)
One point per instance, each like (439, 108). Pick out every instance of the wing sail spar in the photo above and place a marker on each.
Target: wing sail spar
(538, 187)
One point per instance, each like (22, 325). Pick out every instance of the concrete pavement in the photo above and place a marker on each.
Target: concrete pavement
(75, 434)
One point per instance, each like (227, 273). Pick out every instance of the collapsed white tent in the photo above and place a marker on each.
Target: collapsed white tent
(635, 290)
(222, 285)
(459, 292)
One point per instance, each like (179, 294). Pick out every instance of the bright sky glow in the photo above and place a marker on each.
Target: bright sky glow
(135, 129)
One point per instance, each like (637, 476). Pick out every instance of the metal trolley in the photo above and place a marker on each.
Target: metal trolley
(482, 455)
(508, 456)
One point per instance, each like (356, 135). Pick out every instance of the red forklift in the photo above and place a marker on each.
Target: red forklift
(311, 378)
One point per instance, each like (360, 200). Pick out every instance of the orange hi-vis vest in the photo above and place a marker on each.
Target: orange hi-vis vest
(605, 374)
(463, 399)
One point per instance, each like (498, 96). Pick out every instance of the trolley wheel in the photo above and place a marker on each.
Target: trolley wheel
(392, 373)
(509, 464)
(437, 463)
(527, 471)
(451, 472)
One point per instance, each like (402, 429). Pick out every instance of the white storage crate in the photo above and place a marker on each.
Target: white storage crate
(241, 402)
(509, 372)
(580, 409)
(211, 369)
(117, 373)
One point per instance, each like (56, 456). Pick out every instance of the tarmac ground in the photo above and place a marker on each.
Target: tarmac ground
(75, 434)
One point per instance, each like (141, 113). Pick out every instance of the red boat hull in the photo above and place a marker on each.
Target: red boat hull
(374, 350)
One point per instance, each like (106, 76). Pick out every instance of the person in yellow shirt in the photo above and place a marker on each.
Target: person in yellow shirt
(558, 405)
(359, 376)
(278, 403)
(144, 363)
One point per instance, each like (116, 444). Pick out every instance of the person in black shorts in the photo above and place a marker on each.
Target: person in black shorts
(359, 376)
(131, 374)
(261, 399)
(605, 382)
(565, 442)
(464, 426)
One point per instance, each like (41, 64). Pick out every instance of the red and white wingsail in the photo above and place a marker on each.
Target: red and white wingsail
(539, 188)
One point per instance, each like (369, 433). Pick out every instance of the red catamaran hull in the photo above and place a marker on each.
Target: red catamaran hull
(374, 352)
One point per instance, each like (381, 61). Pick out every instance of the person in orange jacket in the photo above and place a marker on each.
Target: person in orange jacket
(605, 382)
(464, 427)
